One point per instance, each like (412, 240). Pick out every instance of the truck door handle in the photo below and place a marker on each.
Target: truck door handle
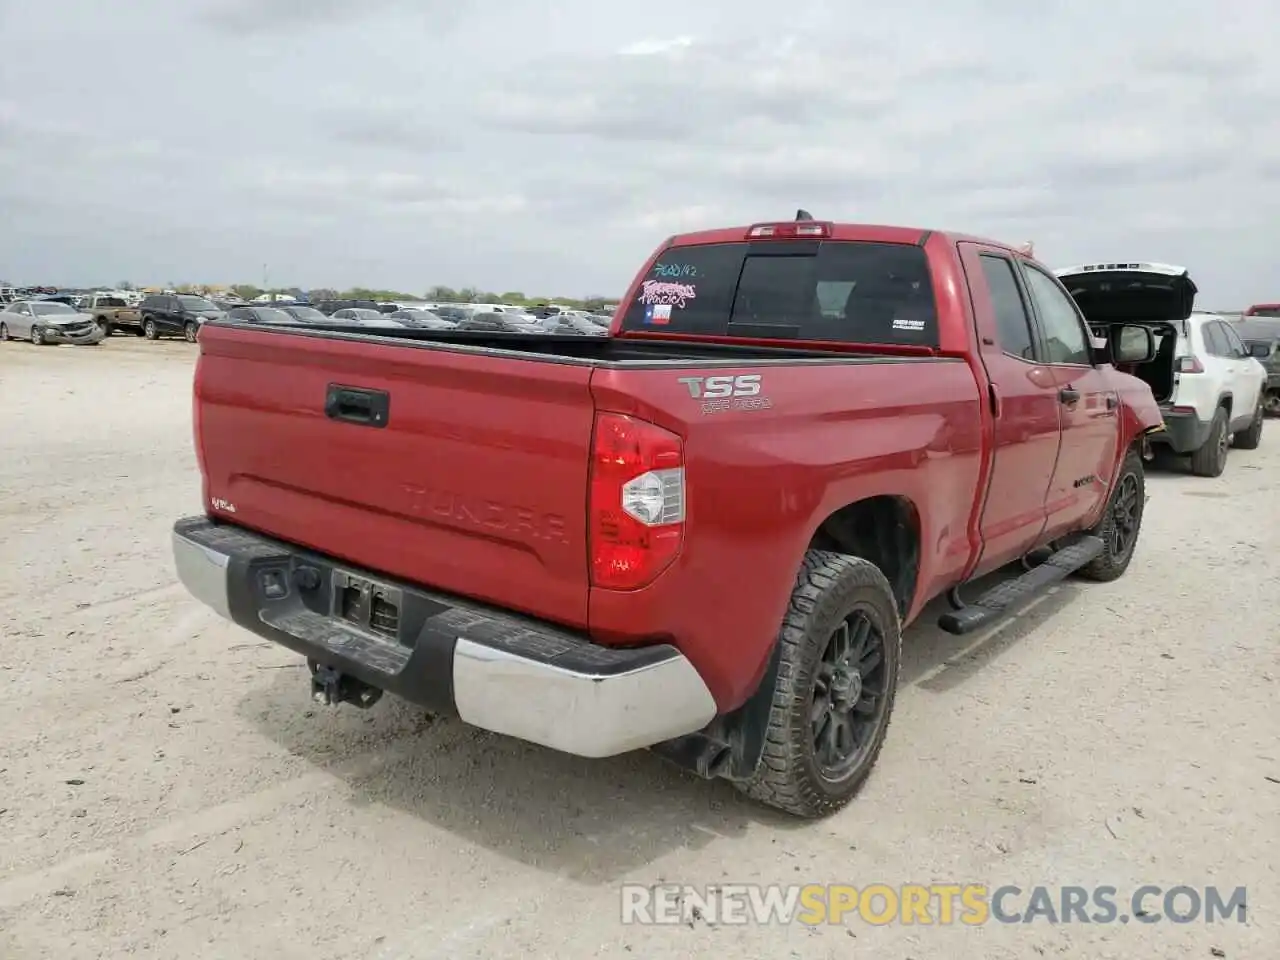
(365, 408)
(1068, 394)
(1112, 401)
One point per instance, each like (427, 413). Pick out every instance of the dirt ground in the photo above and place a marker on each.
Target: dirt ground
(168, 789)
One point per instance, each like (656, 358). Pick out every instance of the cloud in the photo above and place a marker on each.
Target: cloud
(255, 17)
(509, 145)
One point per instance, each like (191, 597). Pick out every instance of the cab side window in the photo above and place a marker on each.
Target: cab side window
(1013, 328)
(1064, 334)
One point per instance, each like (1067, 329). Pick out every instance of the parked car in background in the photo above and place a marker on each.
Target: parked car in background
(1262, 310)
(422, 319)
(304, 314)
(364, 316)
(176, 314)
(112, 313)
(48, 322)
(454, 313)
(1261, 336)
(570, 324)
(1210, 390)
(495, 322)
(259, 314)
(544, 310)
(70, 299)
(330, 307)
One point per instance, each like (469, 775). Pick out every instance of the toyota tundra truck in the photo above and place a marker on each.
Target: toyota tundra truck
(702, 534)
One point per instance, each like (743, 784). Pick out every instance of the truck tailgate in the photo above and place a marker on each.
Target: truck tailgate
(474, 482)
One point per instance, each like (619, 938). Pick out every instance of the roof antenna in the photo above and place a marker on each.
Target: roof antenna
(803, 215)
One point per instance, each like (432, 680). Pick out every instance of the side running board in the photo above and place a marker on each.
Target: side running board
(993, 604)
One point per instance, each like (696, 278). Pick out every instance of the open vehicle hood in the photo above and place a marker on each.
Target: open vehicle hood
(1131, 292)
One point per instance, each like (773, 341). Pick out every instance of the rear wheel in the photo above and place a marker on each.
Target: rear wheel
(1211, 459)
(4, 332)
(189, 331)
(150, 330)
(106, 326)
(839, 649)
(1250, 437)
(1272, 403)
(1122, 522)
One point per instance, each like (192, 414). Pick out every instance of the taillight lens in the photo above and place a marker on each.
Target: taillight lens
(637, 501)
(1190, 365)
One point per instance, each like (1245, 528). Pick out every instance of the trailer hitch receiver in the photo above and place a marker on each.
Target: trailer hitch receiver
(330, 687)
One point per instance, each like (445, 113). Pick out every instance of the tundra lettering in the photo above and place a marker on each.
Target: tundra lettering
(522, 522)
(720, 388)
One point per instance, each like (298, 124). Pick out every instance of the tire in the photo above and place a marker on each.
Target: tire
(150, 330)
(1272, 403)
(1211, 459)
(37, 336)
(1251, 436)
(839, 603)
(190, 330)
(4, 332)
(1121, 523)
(107, 327)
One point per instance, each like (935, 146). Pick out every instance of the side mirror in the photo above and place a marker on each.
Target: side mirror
(1260, 350)
(1132, 343)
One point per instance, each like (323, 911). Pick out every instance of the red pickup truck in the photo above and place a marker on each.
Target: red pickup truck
(702, 534)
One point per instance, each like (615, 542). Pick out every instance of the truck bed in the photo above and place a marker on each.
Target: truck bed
(595, 351)
(474, 479)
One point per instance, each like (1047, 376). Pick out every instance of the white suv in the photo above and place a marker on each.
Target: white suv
(1207, 384)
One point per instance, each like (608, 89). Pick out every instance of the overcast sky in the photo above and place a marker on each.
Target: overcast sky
(547, 147)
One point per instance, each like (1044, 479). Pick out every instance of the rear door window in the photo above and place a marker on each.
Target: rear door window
(1235, 346)
(842, 291)
(1215, 344)
(1012, 325)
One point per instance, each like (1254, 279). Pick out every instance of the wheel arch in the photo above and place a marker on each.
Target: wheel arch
(883, 529)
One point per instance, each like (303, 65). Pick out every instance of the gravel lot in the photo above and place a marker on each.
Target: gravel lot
(167, 789)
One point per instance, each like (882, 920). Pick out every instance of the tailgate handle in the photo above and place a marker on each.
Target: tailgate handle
(367, 408)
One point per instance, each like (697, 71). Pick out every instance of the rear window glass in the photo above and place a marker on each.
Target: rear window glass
(851, 292)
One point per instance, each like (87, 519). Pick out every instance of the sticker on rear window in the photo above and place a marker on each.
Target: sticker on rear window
(665, 293)
(657, 313)
(675, 270)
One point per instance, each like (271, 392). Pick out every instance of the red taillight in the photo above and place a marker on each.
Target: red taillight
(802, 229)
(636, 501)
(1190, 365)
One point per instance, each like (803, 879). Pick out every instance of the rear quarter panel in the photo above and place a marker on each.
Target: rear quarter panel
(761, 482)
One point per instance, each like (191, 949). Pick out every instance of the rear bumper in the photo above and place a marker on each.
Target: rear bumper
(1183, 431)
(493, 669)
